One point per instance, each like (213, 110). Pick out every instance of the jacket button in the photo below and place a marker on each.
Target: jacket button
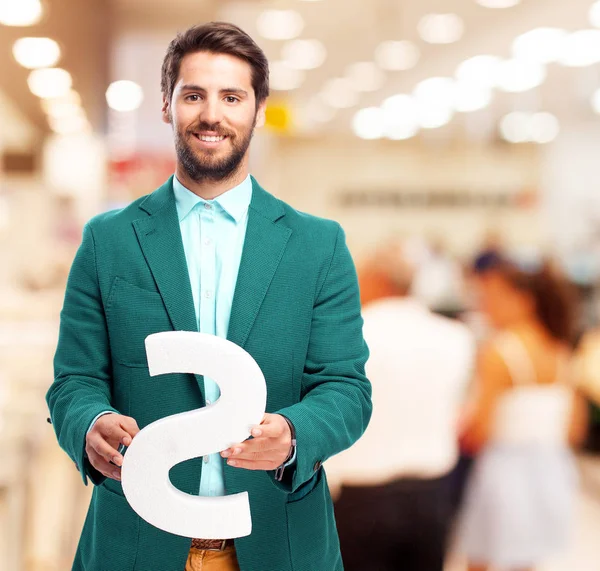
(317, 465)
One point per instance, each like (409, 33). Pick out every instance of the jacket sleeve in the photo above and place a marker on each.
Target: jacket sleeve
(336, 395)
(82, 365)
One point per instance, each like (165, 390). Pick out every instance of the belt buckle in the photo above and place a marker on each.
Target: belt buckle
(220, 548)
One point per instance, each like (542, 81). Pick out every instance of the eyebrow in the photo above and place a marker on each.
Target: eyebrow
(194, 87)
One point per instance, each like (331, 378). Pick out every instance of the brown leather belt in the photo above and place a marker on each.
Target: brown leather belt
(212, 544)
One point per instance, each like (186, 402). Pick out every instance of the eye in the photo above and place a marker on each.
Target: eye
(193, 97)
(231, 99)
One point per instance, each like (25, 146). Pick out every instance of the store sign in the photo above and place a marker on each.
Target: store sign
(436, 199)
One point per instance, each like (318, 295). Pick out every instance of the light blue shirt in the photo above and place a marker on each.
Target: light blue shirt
(213, 233)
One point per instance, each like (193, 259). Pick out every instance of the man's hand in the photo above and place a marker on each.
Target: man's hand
(103, 440)
(267, 450)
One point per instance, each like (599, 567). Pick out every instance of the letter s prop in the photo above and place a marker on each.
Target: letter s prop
(174, 439)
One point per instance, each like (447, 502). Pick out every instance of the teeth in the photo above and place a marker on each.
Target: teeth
(211, 139)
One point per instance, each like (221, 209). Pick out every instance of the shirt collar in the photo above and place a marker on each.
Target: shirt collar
(234, 202)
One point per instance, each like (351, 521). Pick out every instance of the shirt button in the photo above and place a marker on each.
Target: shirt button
(207, 294)
(206, 459)
(207, 242)
(207, 206)
(207, 402)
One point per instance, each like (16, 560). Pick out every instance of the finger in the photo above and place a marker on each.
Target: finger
(253, 446)
(115, 433)
(104, 467)
(252, 465)
(130, 426)
(269, 428)
(267, 455)
(104, 449)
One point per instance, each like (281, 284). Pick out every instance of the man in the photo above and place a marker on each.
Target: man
(396, 476)
(211, 251)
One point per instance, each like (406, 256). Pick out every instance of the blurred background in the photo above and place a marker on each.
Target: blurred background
(453, 126)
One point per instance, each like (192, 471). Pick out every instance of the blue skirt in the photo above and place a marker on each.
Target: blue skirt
(519, 505)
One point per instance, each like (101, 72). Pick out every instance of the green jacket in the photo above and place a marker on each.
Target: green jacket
(295, 310)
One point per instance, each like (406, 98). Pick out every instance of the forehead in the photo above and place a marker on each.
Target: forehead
(215, 71)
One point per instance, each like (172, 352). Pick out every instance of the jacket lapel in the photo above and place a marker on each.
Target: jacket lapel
(160, 239)
(264, 245)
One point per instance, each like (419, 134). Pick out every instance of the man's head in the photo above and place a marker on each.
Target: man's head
(215, 82)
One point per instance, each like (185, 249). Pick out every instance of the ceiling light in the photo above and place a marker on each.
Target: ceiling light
(543, 128)
(580, 49)
(498, 3)
(304, 54)
(479, 70)
(516, 76)
(282, 77)
(594, 14)
(541, 45)
(71, 97)
(365, 76)
(397, 56)
(124, 95)
(69, 125)
(436, 92)
(60, 110)
(400, 115)
(49, 82)
(20, 12)
(514, 127)
(402, 131)
(441, 28)
(339, 93)
(280, 24)
(471, 97)
(34, 53)
(368, 123)
(596, 101)
(317, 111)
(431, 117)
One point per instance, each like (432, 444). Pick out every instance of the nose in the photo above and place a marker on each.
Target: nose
(212, 112)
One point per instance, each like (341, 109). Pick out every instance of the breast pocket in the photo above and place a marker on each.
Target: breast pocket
(132, 314)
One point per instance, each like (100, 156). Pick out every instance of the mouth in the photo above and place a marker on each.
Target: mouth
(209, 141)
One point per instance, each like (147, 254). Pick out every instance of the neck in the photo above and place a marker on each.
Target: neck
(210, 189)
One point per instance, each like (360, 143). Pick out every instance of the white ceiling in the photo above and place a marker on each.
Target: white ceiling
(351, 30)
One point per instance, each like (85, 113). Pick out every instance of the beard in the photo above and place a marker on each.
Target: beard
(206, 166)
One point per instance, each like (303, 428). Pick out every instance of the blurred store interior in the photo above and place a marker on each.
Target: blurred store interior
(449, 125)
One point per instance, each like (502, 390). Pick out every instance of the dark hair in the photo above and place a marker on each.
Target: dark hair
(217, 38)
(554, 297)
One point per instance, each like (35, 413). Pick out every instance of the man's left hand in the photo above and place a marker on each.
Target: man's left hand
(267, 450)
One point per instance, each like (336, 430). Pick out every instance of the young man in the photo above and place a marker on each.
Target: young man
(212, 251)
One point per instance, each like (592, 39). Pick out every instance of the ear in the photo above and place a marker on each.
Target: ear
(260, 114)
(166, 110)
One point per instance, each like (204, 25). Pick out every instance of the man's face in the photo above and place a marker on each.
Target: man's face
(213, 113)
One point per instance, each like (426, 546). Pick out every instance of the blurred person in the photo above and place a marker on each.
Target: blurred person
(438, 281)
(212, 251)
(394, 506)
(588, 365)
(518, 507)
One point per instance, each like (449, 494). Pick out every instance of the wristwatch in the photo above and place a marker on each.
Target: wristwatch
(291, 458)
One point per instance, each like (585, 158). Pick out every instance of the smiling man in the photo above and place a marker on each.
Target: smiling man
(212, 251)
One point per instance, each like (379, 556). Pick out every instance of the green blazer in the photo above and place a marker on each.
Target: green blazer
(295, 310)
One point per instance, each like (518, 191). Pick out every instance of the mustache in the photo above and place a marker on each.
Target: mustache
(213, 128)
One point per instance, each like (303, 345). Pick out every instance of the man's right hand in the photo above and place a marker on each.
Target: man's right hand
(103, 440)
